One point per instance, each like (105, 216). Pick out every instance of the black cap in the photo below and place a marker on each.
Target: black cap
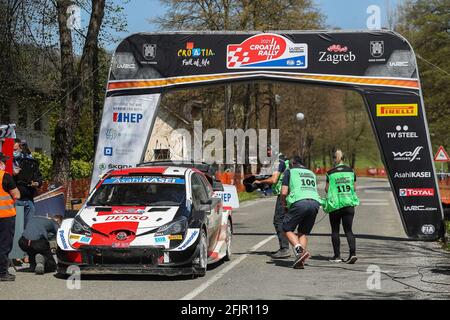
(3, 158)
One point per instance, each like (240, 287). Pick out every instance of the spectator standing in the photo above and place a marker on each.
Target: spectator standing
(8, 193)
(28, 178)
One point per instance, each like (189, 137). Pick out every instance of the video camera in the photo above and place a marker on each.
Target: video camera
(250, 186)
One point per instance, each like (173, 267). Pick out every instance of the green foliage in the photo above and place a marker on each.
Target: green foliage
(426, 24)
(79, 169)
(45, 164)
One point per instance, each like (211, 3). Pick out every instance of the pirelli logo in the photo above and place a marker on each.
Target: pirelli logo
(397, 110)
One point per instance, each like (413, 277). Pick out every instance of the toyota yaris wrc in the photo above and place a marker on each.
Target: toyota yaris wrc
(153, 220)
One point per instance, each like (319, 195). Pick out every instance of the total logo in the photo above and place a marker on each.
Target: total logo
(412, 174)
(407, 155)
(416, 192)
(192, 52)
(402, 132)
(127, 117)
(337, 54)
(267, 50)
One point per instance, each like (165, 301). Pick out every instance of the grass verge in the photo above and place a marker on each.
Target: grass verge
(245, 196)
(447, 244)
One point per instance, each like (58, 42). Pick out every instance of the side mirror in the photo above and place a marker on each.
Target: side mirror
(217, 186)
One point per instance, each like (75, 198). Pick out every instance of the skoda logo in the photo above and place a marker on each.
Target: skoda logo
(121, 235)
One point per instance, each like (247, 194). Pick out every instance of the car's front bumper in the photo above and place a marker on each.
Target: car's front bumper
(147, 260)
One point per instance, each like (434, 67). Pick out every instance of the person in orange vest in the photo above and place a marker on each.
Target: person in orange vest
(8, 194)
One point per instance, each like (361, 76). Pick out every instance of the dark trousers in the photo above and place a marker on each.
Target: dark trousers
(28, 210)
(346, 216)
(32, 248)
(7, 227)
(278, 224)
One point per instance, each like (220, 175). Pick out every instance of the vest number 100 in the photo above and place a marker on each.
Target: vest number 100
(308, 182)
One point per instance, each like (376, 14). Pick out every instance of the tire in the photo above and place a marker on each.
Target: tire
(228, 241)
(202, 255)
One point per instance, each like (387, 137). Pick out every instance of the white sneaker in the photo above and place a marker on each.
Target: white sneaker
(335, 260)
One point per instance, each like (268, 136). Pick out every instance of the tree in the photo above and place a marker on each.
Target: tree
(74, 79)
(426, 24)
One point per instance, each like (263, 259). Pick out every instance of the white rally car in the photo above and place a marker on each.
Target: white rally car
(151, 219)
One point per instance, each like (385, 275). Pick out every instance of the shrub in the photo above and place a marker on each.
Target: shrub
(79, 169)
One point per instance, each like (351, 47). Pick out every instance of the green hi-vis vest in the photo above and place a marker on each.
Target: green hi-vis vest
(341, 191)
(302, 186)
(276, 188)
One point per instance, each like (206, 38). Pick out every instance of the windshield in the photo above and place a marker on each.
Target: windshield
(140, 191)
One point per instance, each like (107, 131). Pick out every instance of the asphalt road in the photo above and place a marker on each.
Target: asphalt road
(409, 270)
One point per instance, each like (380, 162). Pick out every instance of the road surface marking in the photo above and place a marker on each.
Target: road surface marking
(219, 275)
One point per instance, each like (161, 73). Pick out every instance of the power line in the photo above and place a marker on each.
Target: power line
(435, 66)
(57, 102)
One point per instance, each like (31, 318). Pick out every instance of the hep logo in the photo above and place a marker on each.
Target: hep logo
(127, 117)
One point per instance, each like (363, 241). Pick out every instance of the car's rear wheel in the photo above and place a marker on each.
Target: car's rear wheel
(229, 236)
(202, 255)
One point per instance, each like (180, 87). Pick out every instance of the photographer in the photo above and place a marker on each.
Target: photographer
(276, 171)
(35, 242)
(27, 177)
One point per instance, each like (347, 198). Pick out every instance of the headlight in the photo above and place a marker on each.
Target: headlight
(80, 227)
(174, 227)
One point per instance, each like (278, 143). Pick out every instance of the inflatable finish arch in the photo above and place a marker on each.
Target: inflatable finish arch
(380, 65)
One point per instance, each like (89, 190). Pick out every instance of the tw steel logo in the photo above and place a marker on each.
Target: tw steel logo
(416, 192)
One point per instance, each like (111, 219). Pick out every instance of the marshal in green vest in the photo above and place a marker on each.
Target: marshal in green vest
(341, 191)
(302, 186)
(276, 188)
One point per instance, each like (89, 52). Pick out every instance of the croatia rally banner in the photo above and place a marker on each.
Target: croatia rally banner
(124, 132)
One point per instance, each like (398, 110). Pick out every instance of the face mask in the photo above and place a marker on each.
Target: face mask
(16, 154)
(2, 167)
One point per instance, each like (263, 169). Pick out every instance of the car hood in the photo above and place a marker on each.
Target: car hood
(136, 219)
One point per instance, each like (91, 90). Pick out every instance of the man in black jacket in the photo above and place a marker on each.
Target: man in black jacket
(27, 177)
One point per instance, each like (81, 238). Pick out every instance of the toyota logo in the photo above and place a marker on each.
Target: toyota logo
(121, 235)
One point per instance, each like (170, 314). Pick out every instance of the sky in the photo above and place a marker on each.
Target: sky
(344, 14)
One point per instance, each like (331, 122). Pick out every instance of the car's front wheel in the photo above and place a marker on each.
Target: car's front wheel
(202, 255)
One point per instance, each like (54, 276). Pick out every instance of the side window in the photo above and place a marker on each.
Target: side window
(198, 190)
(208, 187)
